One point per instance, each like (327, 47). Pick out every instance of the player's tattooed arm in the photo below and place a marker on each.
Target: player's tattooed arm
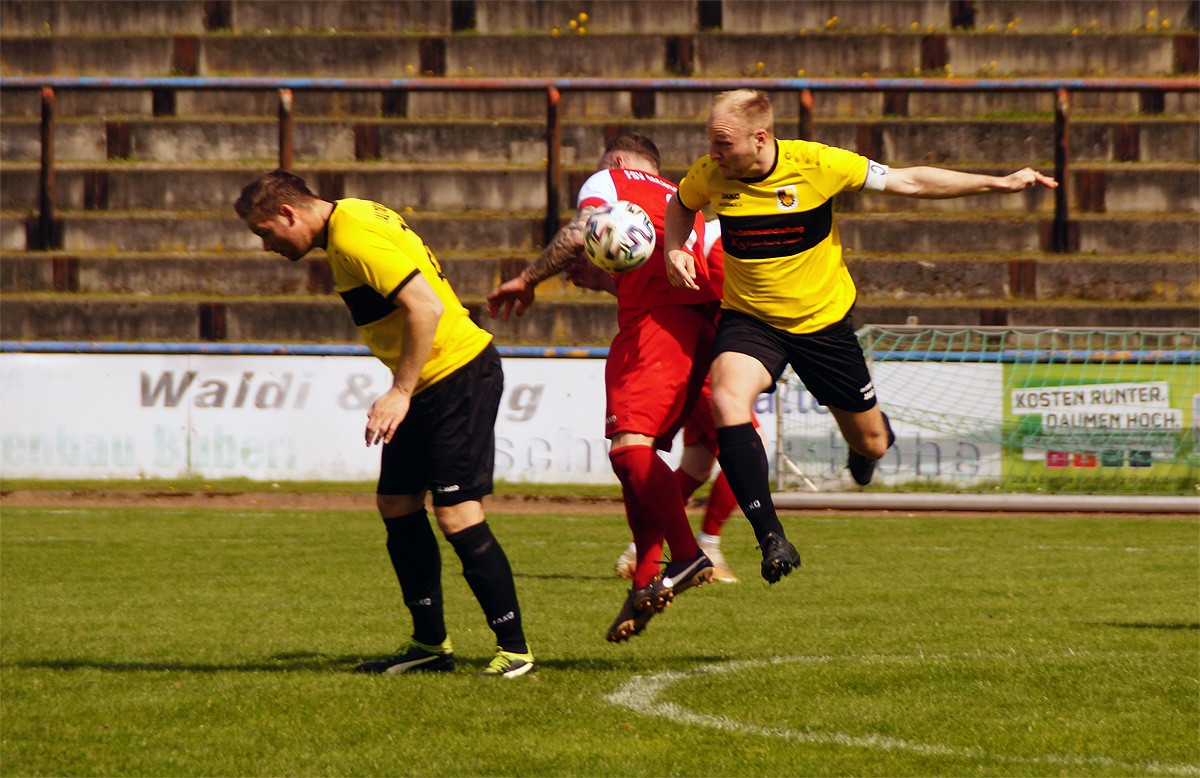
(563, 250)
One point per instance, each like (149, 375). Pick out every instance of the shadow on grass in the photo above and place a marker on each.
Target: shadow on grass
(279, 663)
(1148, 625)
(566, 576)
(310, 662)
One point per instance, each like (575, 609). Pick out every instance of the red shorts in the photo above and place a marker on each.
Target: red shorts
(656, 367)
(701, 427)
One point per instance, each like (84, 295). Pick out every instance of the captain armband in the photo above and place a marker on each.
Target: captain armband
(876, 180)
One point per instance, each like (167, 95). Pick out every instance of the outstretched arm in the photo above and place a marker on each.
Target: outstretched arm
(555, 258)
(939, 183)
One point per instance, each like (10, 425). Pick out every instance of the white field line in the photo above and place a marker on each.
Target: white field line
(640, 694)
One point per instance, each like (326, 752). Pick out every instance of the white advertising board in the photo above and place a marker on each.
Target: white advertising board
(268, 417)
(288, 417)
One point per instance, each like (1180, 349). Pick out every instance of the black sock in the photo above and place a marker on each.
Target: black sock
(486, 569)
(417, 560)
(744, 461)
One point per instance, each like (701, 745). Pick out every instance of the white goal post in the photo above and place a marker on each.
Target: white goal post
(1070, 414)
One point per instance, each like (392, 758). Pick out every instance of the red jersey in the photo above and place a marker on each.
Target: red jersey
(647, 287)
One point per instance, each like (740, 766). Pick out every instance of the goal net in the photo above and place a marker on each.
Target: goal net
(977, 409)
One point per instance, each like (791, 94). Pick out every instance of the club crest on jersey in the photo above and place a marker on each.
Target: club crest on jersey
(786, 197)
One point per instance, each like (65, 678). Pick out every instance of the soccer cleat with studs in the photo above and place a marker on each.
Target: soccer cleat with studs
(629, 622)
(415, 657)
(711, 546)
(677, 577)
(509, 664)
(780, 557)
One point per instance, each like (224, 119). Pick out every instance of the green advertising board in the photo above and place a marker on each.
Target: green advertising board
(1101, 427)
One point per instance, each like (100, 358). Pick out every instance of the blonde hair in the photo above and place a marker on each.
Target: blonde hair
(752, 106)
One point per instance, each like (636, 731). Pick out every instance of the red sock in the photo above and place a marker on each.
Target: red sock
(643, 472)
(687, 484)
(647, 539)
(721, 503)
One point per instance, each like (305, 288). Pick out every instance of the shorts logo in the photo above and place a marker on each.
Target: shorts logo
(867, 391)
(786, 196)
(447, 489)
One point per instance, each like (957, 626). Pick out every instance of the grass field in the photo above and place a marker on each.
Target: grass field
(168, 641)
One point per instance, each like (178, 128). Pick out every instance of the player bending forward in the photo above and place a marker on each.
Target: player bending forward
(437, 420)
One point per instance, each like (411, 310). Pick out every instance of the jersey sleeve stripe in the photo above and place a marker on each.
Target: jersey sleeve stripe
(392, 294)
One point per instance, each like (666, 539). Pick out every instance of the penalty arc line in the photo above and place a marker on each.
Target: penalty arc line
(640, 694)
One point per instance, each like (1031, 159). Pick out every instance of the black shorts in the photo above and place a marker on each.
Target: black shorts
(447, 442)
(829, 362)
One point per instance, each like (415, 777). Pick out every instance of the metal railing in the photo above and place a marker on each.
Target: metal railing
(163, 90)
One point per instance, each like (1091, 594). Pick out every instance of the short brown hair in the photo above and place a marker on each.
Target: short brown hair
(635, 143)
(263, 196)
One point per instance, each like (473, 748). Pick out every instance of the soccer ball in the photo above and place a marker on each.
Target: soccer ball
(619, 237)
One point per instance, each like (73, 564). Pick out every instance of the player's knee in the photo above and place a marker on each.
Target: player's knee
(391, 505)
(730, 408)
(875, 445)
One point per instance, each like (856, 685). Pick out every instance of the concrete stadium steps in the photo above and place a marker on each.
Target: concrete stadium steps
(969, 231)
(234, 273)
(173, 231)
(1024, 15)
(152, 249)
(185, 187)
(493, 16)
(708, 54)
(272, 319)
(937, 141)
(1096, 187)
(1157, 278)
(589, 321)
(955, 233)
(594, 106)
(423, 16)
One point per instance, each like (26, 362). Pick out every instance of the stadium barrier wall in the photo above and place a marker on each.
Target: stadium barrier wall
(296, 412)
(274, 412)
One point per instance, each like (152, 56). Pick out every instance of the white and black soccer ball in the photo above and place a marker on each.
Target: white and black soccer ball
(619, 237)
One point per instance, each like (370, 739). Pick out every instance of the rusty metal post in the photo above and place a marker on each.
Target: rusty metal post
(806, 115)
(287, 130)
(553, 163)
(46, 177)
(1060, 230)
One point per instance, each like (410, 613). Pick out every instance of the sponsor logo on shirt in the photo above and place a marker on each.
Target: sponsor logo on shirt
(776, 234)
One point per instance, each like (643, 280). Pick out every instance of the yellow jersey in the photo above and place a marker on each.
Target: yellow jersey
(783, 253)
(373, 254)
